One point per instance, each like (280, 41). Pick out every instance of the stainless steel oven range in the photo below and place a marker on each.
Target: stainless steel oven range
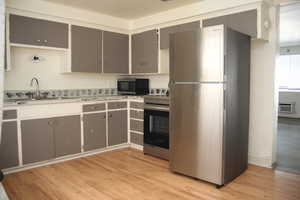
(156, 126)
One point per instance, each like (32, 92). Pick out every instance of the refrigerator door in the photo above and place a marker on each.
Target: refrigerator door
(196, 131)
(197, 56)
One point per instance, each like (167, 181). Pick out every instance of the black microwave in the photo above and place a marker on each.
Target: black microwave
(133, 86)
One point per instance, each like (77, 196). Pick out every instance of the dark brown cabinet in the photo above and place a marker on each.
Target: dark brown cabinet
(244, 22)
(117, 127)
(45, 139)
(94, 127)
(115, 53)
(37, 32)
(37, 140)
(9, 156)
(86, 50)
(67, 137)
(165, 32)
(145, 52)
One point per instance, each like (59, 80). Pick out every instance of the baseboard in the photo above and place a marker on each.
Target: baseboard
(62, 159)
(136, 146)
(260, 161)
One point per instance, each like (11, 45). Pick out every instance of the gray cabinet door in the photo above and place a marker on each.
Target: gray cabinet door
(37, 140)
(30, 31)
(25, 30)
(117, 127)
(9, 145)
(94, 131)
(86, 49)
(145, 52)
(115, 53)
(55, 34)
(244, 22)
(67, 137)
(165, 32)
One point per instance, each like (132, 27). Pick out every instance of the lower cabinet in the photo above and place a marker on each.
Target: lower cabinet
(9, 145)
(45, 139)
(67, 137)
(37, 140)
(117, 127)
(94, 127)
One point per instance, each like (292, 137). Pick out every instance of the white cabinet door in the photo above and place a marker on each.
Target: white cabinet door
(284, 71)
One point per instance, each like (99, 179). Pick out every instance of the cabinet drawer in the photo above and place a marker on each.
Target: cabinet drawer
(93, 107)
(117, 105)
(136, 138)
(137, 105)
(136, 125)
(137, 114)
(10, 114)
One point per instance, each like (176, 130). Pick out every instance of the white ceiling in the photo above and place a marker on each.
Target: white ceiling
(127, 9)
(290, 25)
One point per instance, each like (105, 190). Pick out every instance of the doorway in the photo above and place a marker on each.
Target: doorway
(288, 140)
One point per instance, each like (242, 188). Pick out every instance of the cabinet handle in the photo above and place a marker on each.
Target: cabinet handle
(38, 40)
(45, 41)
(94, 107)
(110, 115)
(104, 117)
(50, 123)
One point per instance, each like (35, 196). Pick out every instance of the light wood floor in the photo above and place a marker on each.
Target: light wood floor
(128, 174)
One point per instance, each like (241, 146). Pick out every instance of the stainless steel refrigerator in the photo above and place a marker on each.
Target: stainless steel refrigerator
(209, 103)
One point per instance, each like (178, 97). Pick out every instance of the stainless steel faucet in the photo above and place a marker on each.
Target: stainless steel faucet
(37, 87)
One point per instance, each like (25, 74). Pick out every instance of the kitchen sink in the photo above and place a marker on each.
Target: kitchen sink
(24, 100)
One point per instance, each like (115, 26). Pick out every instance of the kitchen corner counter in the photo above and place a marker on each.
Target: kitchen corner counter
(82, 100)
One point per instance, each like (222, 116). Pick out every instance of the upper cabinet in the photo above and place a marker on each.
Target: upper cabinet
(145, 52)
(37, 32)
(86, 50)
(115, 53)
(244, 22)
(253, 22)
(165, 32)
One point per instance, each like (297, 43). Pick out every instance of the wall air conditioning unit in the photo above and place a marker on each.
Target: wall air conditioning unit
(287, 108)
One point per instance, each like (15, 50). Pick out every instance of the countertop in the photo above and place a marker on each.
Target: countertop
(68, 100)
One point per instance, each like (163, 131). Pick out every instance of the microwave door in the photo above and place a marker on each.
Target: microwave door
(126, 87)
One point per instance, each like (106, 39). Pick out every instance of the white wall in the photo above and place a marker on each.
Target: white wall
(48, 72)
(264, 97)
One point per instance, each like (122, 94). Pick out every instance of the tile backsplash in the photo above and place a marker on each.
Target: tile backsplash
(21, 94)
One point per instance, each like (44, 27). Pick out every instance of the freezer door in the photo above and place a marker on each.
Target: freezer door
(197, 56)
(196, 131)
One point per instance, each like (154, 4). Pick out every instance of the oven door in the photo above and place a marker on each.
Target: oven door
(156, 128)
(126, 86)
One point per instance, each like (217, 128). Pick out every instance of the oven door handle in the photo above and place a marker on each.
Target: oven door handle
(159, 108)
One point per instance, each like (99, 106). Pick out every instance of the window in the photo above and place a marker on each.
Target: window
(289, 72)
